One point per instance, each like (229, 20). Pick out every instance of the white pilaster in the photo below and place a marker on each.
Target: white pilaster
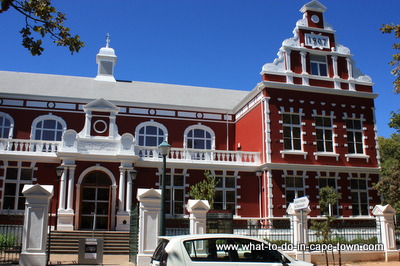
(149, 213)
(385, 219)
(34, 239)
(197, 220)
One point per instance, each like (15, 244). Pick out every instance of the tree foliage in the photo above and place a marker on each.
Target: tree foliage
(395, 121)
(389, 28)
(389, 184)
(205, 189)
(43, 19)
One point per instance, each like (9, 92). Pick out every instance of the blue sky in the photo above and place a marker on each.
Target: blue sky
(209, 43)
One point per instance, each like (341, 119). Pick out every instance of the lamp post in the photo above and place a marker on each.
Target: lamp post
(59, 173)
(164, 149)
(133, 174)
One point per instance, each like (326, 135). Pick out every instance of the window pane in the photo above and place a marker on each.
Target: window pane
(26, 174)
(178, 195)
(230, 196)
(298, 182)
(178, 180)
(286, 119)
(297, 144)
(289, 181)
(327, 122)
(49, 124)
(230, 182)
(198, 133)
(323, 70)
(10, 189)
(12, 173)
(314, 68)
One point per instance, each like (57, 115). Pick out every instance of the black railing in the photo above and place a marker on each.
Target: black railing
(176, 226)
(11, 227)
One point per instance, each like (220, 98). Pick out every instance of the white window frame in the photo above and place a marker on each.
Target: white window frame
(314, 61)
(298, 191)
(19, 185)
(153, 124)
(200, 127)
(223, 188)
(324, 130)
(292, 126)
(354, 138)
(10, 127)
(170, 185)
(358, 192)
(48, 117)
(335, 210)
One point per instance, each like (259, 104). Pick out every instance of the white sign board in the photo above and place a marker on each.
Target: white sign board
(301, 203)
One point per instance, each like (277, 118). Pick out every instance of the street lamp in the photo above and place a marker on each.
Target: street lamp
(59, 173)
(164, 149)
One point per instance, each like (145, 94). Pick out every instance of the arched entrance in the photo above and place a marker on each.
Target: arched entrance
(95, 201)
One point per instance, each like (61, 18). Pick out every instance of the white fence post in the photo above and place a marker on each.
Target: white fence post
(149, 215)
(34, 238)
(198, 211)
(385, 219)
(300, 231)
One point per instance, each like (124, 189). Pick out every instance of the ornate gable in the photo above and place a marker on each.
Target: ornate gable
(314, 58)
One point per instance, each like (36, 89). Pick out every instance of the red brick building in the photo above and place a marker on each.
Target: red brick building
(309, 123)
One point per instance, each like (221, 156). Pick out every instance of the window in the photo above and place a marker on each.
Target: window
(324, 133)
(291, 132)
(329, 182)
(150, 134)
(359, 196)
(354, 136)
(175, 194)
(294, 188)
(6, 125)
(225, 194)
(255, 251)
(318, 65)
(15, 179)
(199, 137)
(211, 249)
(48, 127)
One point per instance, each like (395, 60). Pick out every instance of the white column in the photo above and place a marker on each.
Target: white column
(149, 215)
(128, 201)
(198, 216)
(121, 191)
(303, 62)
(299, 225)
(34, 238)
(62, 191)
(335, 67)
(385, 220)
(71, 188)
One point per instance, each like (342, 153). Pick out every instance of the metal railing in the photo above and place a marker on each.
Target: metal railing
(10, 238)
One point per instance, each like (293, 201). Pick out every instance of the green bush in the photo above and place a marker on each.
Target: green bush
(6, 241)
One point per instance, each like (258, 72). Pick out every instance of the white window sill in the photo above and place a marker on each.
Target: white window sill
(294, 152)
(358, 156)
(326, 154)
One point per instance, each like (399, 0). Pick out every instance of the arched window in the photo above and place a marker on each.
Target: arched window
(199, 137)
(151, 133)
(6, 125)
(48, 127)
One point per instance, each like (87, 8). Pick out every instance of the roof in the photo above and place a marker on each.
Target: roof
(83, 89)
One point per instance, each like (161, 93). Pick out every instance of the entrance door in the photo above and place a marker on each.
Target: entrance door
(95, 210)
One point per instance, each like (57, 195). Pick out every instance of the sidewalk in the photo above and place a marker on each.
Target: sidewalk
(72, 259)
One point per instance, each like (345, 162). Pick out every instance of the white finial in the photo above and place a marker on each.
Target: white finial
(107, 39)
